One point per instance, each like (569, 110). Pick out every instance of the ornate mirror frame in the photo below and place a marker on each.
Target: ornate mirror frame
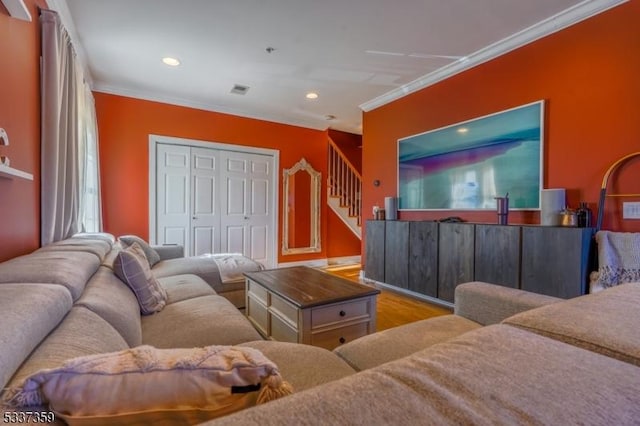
(302, 166)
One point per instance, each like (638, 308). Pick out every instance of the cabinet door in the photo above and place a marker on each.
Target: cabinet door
(555, 260)
(497, 255)
(456, 257)
(423, 258)
(396, 266)
(374, 250)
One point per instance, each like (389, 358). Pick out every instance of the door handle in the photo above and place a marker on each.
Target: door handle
(195, 218)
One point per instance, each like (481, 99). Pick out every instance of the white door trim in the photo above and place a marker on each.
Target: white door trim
(154, 140)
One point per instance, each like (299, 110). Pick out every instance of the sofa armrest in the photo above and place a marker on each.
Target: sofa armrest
(488, 304)
(172, 251)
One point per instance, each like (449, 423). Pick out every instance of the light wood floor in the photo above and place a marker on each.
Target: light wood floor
(394, 308)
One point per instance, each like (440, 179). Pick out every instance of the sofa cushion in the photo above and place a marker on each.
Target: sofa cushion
(104, 236)
(206, 268)
(140, 385)
(304, 366)
(182, 287)
(113, 300)
(97, 247)
(487, 304)
(394, 343)
(131, 267)
(151, 255)
(489, 376)
(597, 322)
(201, 321)
(67, 268)
(29, 313)
(203, 267)
(82, 332)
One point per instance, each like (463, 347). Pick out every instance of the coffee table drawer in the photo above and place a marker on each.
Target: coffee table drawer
(282, 331)
(258, 292)
(340, 312)
(285, 309)
(259, 314)
(331, 339)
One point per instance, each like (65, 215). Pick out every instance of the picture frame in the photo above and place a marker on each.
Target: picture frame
(466, 165)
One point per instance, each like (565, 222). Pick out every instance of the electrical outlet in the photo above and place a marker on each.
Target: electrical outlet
(631, 210)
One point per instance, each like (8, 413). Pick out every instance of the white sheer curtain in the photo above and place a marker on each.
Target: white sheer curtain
(70, 195)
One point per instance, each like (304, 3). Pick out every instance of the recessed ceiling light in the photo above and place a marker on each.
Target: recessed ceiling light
(311, 95)
(172, 62)
(463, 130)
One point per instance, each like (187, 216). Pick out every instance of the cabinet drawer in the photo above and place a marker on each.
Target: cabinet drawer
(340, 312)
(259, 314)
(285, 310)
(331, 339)
(258, 292)
(281, 330)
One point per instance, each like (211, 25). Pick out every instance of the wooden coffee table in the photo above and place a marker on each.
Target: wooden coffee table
(304, 305)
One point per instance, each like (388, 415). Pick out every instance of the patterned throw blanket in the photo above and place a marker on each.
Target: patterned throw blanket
(618, 259)
(233, 265)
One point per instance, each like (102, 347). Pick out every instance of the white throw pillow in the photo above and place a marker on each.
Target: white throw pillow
(145, 385)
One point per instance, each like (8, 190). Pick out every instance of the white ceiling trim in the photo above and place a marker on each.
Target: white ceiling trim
(154, 97)
(580, 12)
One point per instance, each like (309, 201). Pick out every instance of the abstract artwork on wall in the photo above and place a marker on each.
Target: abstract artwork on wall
(464, 166)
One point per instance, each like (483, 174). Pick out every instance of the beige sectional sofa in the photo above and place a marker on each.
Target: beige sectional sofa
(563, 363)
(504, 357)
(64, 301)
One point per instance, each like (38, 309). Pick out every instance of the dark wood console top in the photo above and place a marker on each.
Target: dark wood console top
(305, 287)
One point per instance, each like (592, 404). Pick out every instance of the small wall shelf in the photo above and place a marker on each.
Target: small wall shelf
(10, 173)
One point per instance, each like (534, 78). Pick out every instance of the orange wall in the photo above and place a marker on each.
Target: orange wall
(125, 124)
(589, 76)
(20, 117)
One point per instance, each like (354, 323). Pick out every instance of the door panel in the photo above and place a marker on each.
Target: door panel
(203, 239)
(248, 205)
(174, 236)
(173, 195)
(235, 240)
(259, 242)
(213, 201)
(205, 216)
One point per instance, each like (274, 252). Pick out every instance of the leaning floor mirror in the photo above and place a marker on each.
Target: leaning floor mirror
(301, 209)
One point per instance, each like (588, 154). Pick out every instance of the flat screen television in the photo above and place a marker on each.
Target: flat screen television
(465, 165)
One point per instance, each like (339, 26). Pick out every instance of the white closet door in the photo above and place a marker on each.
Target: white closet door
(212, 200)
(246, 205)
(205, 206)
(173, 203)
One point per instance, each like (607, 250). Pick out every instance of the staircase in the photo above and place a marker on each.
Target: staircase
(344, 189)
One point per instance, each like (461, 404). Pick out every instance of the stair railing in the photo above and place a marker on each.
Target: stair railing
(344, 181)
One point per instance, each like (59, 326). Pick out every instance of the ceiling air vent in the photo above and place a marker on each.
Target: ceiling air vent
(239, 89)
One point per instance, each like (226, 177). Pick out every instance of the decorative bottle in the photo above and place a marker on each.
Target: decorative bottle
(584, 215)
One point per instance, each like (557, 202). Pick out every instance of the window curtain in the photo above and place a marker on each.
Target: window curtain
(69, 150)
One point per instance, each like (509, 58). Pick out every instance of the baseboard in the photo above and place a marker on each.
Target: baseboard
(406, 292)
(344, 260)
(320, 263)
(314, 263)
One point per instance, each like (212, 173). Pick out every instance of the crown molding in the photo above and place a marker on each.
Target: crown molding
(560, 21)
(155, 97)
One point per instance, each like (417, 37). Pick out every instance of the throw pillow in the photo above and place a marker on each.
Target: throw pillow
(144, 385)
(152, 256)
(132, 267)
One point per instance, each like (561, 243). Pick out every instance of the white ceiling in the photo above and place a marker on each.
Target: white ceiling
(356, 54)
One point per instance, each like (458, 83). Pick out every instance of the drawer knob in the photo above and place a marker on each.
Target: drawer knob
(342, 313)
(342, 340)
